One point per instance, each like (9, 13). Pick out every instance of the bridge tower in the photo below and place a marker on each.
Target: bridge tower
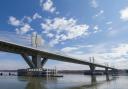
(35, 61)
(92, 67)
(36, 40)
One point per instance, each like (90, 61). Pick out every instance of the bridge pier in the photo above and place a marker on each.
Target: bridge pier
(92, 69)
(35, 63)
(107, 78)
(106, 71)
(36, 59)
(107, 74)
(28, 60)
(43, 61)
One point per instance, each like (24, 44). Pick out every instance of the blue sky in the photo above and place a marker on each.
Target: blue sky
(78, 28)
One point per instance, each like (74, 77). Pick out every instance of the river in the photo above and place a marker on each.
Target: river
(66, 82)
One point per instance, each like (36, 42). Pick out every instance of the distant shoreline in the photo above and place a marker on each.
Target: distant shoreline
(8, 70)
(73, 71)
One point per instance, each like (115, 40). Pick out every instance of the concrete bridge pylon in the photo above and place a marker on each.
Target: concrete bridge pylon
(35, 61)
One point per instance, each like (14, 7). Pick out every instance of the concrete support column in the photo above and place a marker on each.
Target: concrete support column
(92, 69)
(36, 59)
(107, 74)
(107, 78)
(43, 61)
(106, 71)
(28, 60)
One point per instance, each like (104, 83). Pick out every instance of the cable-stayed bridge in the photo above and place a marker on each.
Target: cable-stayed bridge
(21, 44)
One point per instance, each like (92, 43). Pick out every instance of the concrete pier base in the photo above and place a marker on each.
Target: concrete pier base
(31, 72)
(38, 73)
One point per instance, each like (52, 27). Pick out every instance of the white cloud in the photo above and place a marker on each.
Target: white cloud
(94, 3)
(37, 16)
(113, 32)
(84, 46)
(79, 52)
(24, 29)
(64, 29)
(110, 28)
(124, 14)
(68, 49)
(110, 22)
(14, 21)
(26, 19)
(75, 48)
(122, 49)
(53, 42)
(48, 5)
(99, 13)
(114, 56)
(98, 48)
(23, 26)
(50, 35)
(96, 29)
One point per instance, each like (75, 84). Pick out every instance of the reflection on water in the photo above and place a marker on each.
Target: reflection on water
(67, 82)
(107, 78)
(34, 84)
(38, 82)
(64, 83)
(93, 80)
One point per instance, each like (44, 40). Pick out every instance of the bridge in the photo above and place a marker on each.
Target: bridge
(36, 58)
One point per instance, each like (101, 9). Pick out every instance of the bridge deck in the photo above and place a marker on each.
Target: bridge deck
(19, 49)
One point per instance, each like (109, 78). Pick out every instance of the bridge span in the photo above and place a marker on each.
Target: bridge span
(39, 57)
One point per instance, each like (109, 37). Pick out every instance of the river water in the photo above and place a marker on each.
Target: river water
(66, 82)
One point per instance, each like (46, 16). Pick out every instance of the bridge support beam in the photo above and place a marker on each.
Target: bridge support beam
(35, 63)
(106, 71)
(107, 74)
(43, 61)
(36, 59)
(28, 60)
(92, 69)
